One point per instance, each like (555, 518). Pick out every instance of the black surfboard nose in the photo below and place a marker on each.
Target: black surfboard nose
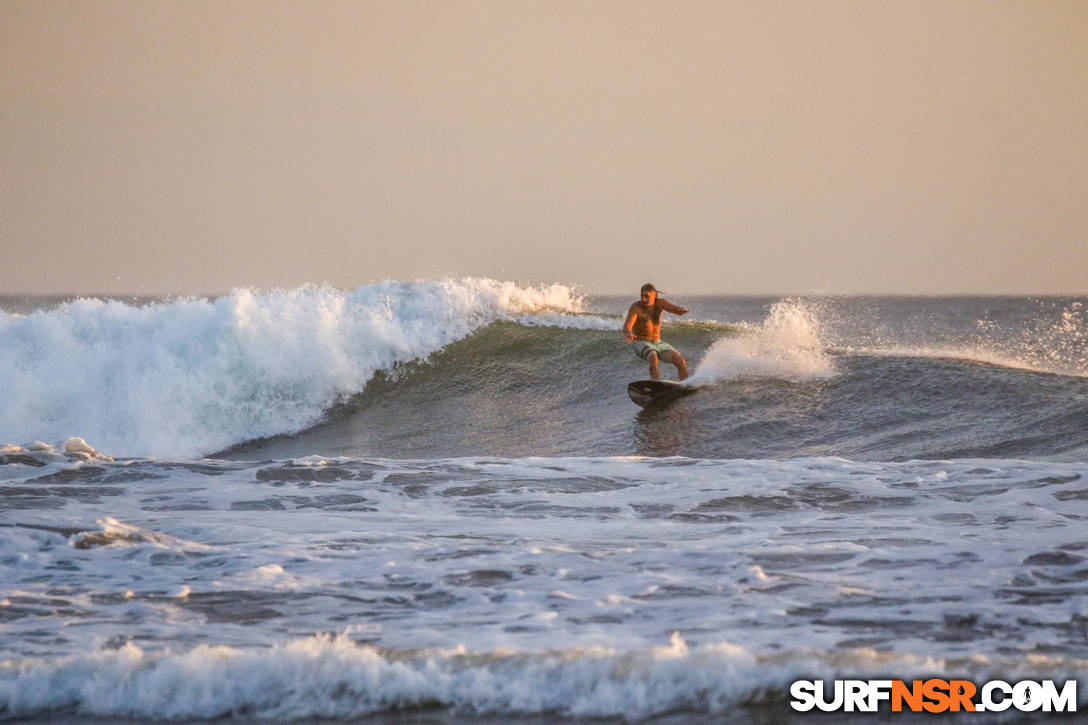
(655, 392)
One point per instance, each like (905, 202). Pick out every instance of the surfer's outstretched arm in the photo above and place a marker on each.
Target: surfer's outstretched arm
(670, 307)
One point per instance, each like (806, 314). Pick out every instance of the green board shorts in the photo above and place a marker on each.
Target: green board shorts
(643, 349)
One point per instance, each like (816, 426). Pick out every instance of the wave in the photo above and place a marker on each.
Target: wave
(476, 366)
(186, 377)
(333, 677)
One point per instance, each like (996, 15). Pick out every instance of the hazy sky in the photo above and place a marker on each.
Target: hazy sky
(901, 146)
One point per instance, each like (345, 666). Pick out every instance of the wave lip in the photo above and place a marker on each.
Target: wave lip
(186, 377)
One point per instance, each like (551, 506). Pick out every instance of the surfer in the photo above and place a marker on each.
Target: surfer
(643, 327)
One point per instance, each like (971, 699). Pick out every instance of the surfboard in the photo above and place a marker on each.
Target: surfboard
(656, 392)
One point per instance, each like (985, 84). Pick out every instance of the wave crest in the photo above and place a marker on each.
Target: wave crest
(188, 377)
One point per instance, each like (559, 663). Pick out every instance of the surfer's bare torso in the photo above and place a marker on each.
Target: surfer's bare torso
(647, 323)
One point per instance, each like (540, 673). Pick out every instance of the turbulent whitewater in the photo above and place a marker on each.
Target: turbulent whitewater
(189, 377)
(317, 503)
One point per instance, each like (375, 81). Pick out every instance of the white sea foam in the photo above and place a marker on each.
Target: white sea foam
(185, 378)
(527, 585)
(549, 552)
(333, 677)
(787, 345)
(73, 448)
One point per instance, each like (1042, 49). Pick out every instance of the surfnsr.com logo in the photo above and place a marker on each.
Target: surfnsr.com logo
(933, 695)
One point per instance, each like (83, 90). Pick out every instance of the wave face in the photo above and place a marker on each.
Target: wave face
(185, 378)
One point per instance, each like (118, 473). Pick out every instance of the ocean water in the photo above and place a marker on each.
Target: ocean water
(433, 501)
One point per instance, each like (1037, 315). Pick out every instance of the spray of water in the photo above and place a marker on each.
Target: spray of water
(1052, 345)
(1052, 338)
(787, 345)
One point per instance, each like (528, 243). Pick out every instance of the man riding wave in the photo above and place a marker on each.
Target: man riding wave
(643, 327)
